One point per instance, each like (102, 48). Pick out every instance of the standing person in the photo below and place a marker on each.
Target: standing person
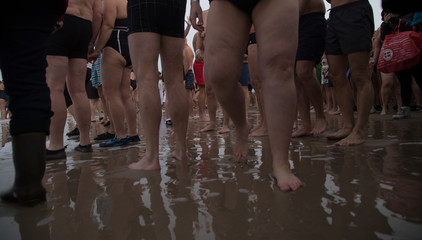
(228, 27)
(255, 79)
(348, 42)
(312, 26)
(67, 58)
(115, 72)
(23, 44)
(150, 35)
(198, 68)
(188, 75)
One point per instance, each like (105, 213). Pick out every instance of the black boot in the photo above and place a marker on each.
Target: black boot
(29, 161)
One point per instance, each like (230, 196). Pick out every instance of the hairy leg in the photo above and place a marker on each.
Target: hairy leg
(144, 49)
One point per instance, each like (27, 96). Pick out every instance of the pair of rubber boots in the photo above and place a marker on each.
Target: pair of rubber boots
(29, 162)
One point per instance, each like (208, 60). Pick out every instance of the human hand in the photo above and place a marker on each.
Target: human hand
(196, 16)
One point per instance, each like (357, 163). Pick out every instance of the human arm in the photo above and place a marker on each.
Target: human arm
(109, 17)
(196, 15)
(97, 14)
(188, 27)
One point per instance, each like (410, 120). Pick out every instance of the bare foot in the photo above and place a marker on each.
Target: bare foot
(340, 134)
(146, 164)
(241, 146)
(334, 111)
(259, 132)
(191, 118)
(301, 132)
(351, 140)
(224, 129)
(383, 112)
(209, 127)
(204, 119)
(286, 180)
(319, 127)
(180, 155)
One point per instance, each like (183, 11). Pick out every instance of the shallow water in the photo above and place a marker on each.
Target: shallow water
(371, 191)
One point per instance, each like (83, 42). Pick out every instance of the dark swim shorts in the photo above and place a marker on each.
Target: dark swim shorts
(72, 40)
(312, 29)
(350, 28)
(189, 79)
(159, 16)
(244, 78)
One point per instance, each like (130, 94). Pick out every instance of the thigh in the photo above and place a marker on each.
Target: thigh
(226, 40)
(276, 45)
(76, 75)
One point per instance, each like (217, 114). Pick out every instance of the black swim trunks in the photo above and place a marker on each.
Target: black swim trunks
(312, 29)
(245, 5)
(118, 40)
(350, 28)
(72, 40)
(159, 16)
(252, 38)
(189, 79)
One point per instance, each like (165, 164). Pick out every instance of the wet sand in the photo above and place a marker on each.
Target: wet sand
(371, 191)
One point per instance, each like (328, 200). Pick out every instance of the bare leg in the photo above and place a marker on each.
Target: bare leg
(231, 40)
(386, 87)
(172, 54)
(201, 104)
(129, 107)
(261, 129)
(226, 122)
(364, 99)
(56, 78)
(112, 66)
(190, 102)
(76, 85)
(303, 108)
(212, 108)
(343, 94)
(278, 82)
(145, 47)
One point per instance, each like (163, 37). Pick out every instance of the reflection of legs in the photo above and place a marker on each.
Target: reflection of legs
(144, 48)
(201, 104)
(56, 77)
(76, 86)
(261, 129)
(229, 39)
(172, 54)
(387, 84)
(305, 75)
(342, 93)
(278, 49)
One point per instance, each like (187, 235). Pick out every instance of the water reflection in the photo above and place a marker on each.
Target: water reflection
(364, 192)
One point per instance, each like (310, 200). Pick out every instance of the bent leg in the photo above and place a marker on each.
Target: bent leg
(276, 57)
(227, 35)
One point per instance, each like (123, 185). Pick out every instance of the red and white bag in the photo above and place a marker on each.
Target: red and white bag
(400, 51)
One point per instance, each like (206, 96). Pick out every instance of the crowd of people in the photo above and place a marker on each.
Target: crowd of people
(286, 51)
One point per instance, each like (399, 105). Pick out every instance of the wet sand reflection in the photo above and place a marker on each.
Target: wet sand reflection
(364, 192)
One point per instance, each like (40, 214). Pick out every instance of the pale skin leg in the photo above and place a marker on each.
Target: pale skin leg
(226, 122)
(171, 55)
(56, 78)
(231, 40)
(201, 104)
(76, 85)
(190, 101)
(310, 89)
(212, 108)
(358, 63)
(261, 129)
(387, 80)
(144, 49)
(116, 88)
(278, 82)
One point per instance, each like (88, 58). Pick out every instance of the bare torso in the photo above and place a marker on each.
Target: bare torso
(336, 3)
(121, 9)
(187, 57)
(198, 45)
(311, 6)
(81, 8)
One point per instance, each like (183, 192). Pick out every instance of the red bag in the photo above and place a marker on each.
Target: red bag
(400, 51)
